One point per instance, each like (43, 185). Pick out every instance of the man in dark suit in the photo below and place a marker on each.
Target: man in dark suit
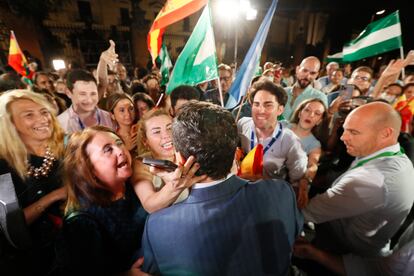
(227, 225)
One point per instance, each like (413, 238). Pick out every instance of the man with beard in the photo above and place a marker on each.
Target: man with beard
(302, 89)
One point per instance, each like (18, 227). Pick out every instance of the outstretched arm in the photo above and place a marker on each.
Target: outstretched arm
(107, 58)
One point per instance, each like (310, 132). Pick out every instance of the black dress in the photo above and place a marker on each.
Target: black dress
(39, 258)
(102, 240)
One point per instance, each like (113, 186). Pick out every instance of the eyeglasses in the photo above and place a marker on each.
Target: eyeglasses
(225, 78)
(360, 78)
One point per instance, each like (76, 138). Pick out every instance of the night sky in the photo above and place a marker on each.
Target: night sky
(352, 16)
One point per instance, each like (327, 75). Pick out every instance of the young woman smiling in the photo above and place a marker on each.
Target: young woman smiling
(155, 141)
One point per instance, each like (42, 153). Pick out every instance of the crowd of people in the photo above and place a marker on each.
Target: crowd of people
(334, 192)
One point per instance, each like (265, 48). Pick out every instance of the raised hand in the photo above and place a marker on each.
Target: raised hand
(109, 56)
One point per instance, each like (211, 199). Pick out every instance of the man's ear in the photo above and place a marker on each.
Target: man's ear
(179, 158)
(68, 93)
(387, 132)
(171, 111)
(280, 110)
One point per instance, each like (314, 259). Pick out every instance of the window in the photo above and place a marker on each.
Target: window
(125, 19)
(85, 12)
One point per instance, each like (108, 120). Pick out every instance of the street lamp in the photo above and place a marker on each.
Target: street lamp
(377, 13)
(58, 64)
(231, 11)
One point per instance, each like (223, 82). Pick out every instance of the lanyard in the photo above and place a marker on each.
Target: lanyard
(82, 126)
(271, 141)
(384, 154)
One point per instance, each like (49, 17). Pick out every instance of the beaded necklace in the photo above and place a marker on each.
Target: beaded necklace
(46, 166)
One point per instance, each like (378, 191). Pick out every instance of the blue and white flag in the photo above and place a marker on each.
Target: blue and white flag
(248, 68)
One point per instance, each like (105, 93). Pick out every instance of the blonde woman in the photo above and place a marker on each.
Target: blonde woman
(155, 141)
(31, 149)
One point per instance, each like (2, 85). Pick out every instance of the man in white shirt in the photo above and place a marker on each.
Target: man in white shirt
(367, 204)
(283, 155)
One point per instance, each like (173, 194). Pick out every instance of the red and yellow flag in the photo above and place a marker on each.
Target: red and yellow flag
(252, 164)
(16, 59)
(173, 11)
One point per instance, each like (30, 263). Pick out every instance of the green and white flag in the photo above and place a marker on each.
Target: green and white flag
(197, 62)
(378, 37)
(166, 65)
(338, 57)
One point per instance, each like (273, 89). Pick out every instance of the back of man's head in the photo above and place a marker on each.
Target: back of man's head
(184, 92)
(78, 75)
(209, 133)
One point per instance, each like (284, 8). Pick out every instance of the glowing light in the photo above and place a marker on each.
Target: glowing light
(58, 64)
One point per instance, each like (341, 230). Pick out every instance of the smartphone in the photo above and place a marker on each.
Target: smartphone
(160, 164)
(346, 93)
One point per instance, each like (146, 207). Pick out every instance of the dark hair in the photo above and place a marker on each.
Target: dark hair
(184, 92)
(38, 74)
(140, 72)
(269, 86)
(136, 87)
(114, 99)
(408, 85)
(207, 132)
(144, 98)
(10, 81)
(78, 75)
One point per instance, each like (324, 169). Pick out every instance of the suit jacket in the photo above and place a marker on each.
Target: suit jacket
(233, 228)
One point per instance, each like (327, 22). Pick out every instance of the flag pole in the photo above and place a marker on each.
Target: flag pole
(220, 92)
(159, 100)
(240, 107)
(402, 57)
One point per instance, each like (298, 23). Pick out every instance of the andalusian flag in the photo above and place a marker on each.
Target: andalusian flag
(378, 37)
(252, 164)
(166, 65)
(197, 62)
(17, 60)
(173, 11)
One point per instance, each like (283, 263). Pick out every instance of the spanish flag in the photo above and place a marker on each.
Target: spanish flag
(252, 164)
(173, 11)
(16, 59)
